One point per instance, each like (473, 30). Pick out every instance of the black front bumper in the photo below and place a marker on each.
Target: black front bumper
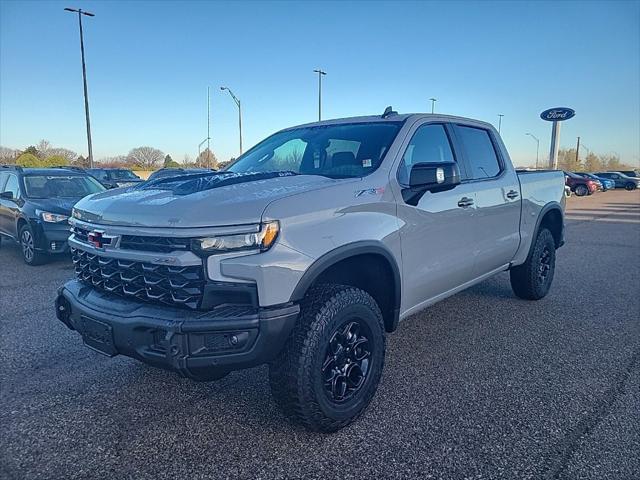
(51, 237)
(199, 345)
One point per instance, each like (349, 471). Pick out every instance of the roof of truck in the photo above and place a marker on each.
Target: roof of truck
(393, 118)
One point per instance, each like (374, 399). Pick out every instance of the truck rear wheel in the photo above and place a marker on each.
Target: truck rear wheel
(532, 280)
(329, 370)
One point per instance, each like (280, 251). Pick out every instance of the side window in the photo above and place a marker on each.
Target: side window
(12, 186)
(3, 178)
(615, 176)
(477, 144)
(430, 144)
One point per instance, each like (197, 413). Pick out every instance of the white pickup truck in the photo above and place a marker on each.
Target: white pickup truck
(306, 251)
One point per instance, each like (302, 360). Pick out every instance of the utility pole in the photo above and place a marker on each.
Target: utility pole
(537, 146)
(500, 121)
(84, 79)
(578, 153)
(320, 74)
(237, 102)
(208, 126)
(433, 104)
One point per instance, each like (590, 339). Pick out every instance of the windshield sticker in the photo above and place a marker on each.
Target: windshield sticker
(366, 162)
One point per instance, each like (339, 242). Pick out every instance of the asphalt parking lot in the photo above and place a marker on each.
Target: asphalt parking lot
(482, 385)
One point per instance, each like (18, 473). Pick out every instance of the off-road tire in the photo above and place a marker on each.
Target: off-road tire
(526, 280)
(582, 190)
(34, 257)
(296, 375)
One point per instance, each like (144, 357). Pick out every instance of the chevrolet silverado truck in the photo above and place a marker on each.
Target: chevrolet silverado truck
(307, 251)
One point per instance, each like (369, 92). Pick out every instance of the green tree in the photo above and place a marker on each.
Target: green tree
(29, 160)
(32, 150)
(169, 162)
(56, 161)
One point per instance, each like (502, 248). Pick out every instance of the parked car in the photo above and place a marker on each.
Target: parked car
(175, 172)
(621, 180)
(309, 257)
(35, 204)
(115, 177)
(605, 183)
(579, 185)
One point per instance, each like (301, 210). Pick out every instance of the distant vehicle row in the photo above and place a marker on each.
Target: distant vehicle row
(582, 183)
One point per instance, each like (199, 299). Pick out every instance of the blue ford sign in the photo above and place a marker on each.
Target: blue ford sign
(557, 114)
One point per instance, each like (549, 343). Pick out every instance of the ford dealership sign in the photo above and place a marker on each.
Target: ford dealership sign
(557, 114)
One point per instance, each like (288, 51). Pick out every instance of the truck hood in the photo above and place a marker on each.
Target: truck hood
(240, 199)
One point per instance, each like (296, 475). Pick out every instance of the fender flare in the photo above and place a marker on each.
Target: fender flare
(343, 252)
(546, 209)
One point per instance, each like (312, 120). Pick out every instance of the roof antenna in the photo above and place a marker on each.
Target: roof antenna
(388, 112)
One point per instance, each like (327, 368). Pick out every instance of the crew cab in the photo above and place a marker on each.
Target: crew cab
(307, 251)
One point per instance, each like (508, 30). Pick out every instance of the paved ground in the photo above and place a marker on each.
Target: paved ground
(481, 385)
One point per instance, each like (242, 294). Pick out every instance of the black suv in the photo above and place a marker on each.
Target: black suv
(114, 177)
(35, 204)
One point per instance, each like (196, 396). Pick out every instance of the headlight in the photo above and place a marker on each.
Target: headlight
(262, 240)
(51, 217)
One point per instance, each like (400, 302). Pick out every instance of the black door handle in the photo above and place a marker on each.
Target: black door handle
(512, 194)
(465, 202)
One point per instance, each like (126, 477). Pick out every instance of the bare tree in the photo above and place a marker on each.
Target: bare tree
(44, 147)
(187, 160)
(69, 155)
(146, 157)
(207, 159)
(8, 155)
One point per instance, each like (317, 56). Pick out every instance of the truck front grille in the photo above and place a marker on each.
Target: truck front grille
(155, 244)
(169, 285)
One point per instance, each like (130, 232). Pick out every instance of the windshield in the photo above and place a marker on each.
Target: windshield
(60, 186)
(336, 151)
(124, 175)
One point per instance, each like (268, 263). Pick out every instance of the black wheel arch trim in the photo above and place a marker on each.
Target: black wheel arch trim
(346, 251)
(546, 209)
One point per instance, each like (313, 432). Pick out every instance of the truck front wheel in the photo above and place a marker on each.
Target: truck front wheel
(532, 280)
(329, 370)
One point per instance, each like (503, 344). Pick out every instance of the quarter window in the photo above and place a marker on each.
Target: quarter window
(480, 152)
(430, 144)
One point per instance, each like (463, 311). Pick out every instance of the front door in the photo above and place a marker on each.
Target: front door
(437, 243)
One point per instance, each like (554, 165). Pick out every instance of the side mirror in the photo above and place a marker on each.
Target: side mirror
(7, 195)
(434, 177)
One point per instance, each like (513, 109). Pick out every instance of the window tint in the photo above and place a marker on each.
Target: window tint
(3, 178)
(429, 144)
(12, 186)
(478, 147)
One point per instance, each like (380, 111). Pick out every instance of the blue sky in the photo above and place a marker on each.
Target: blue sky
(149, 64)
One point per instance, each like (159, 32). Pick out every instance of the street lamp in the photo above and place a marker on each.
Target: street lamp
(500, 115)
(84, 78)
(433, 103)
(537, 146)
(237, 101)
(320, 74)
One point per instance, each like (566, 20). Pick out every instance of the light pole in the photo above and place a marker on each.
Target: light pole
(208, 122)
(537, 146)
(433, 104)
(237, 101)
(320, 74)
(84, 78)
(500, 115)
(200, 147)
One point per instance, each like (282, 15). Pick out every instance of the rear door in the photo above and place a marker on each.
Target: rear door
(495, 229)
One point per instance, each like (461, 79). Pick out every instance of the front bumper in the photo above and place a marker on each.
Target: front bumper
(196, 344)
(51, 237)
